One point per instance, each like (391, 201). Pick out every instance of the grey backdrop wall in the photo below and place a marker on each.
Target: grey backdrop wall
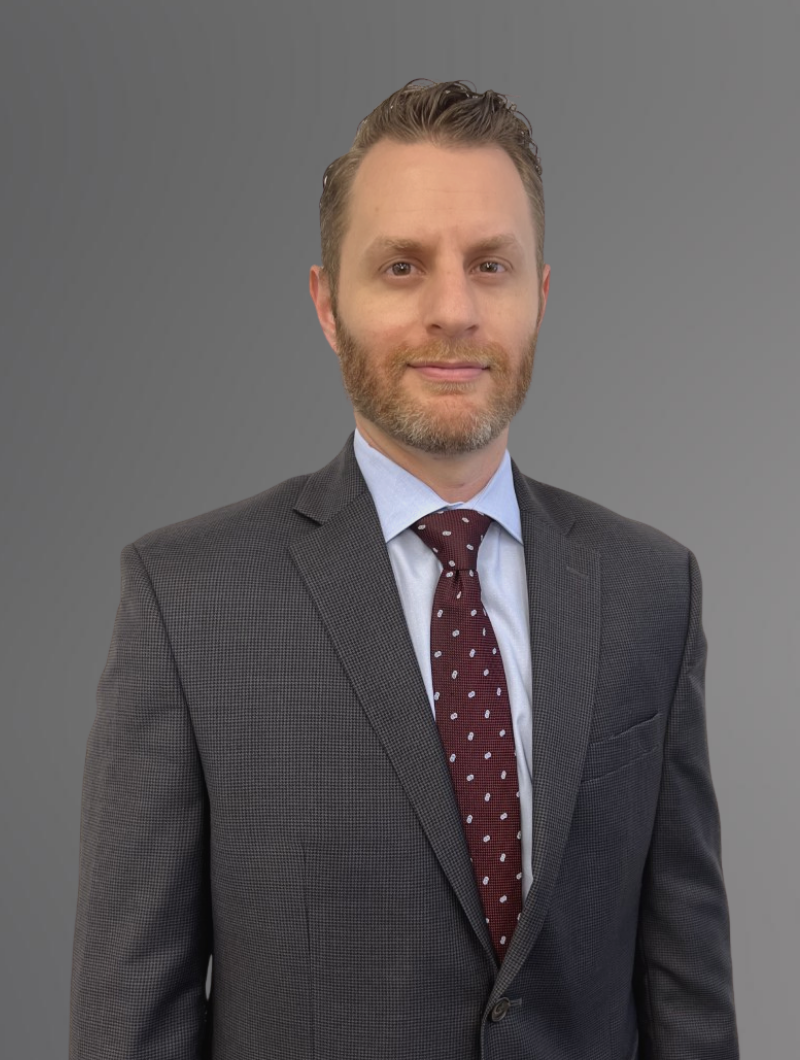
(161, 171)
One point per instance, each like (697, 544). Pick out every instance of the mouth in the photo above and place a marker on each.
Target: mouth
(449, 372)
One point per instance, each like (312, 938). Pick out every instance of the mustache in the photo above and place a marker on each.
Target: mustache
(485, 358)
(441, 362)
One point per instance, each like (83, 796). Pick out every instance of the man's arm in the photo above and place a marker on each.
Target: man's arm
(143, 927)
(683, 981)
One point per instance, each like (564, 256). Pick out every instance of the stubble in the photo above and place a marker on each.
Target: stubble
(452, 417)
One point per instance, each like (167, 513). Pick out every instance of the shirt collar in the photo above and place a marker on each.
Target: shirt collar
(401, 498)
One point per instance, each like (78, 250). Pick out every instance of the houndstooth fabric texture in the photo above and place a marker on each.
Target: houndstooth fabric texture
(264, 782)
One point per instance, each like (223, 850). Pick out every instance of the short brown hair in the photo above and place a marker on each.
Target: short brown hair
(446, 113)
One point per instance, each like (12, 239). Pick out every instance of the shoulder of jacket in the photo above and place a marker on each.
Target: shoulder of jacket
(265, 517)
(596, 526)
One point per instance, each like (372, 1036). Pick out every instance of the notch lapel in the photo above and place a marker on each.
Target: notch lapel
(346, 568)
(345, 565)
(564, 600)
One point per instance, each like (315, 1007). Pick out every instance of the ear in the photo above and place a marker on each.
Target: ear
(319, 289)
(544, 292)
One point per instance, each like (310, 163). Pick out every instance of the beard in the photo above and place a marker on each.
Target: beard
(453, 418)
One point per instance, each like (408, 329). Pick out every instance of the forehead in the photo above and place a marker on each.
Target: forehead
(427, 192)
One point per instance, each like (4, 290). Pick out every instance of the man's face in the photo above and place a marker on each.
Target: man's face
(435, 327)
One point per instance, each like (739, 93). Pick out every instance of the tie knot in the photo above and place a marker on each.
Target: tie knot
(455, 536)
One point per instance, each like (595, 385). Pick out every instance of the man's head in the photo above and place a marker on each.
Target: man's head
(432, 241)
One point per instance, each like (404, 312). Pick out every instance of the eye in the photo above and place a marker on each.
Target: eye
(406, 264)
(396, 264)
(497, 263)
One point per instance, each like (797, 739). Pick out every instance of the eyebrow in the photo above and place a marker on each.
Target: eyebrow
(397, 245)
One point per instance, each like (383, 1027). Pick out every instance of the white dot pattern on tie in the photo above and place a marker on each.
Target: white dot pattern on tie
(468, 677)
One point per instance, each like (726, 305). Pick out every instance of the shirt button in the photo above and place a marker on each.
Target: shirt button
(500, 1010)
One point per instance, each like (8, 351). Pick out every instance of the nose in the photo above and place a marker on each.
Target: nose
(448, 304)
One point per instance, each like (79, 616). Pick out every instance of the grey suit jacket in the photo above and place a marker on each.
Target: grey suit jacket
(264, 782)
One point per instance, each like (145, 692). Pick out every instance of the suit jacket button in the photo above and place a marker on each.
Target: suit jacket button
(500, 1010)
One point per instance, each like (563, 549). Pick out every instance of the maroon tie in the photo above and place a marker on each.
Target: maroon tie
(474, 717)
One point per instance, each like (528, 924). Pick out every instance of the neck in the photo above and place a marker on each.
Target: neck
(455, 477)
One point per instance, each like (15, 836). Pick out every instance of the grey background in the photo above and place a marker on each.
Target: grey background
(161, 169)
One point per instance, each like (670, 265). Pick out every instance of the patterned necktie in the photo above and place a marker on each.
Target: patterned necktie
(474, 717)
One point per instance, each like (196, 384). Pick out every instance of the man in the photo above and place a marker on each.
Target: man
(414, 745)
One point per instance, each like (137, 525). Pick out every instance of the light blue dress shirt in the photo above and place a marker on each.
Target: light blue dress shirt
(401, 499)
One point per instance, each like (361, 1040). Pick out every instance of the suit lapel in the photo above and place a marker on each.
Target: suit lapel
(564, 600)
(345, 565)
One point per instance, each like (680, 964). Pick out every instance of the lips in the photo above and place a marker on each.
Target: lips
(459, 371)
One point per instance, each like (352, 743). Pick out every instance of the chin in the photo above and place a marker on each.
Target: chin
(446, 435)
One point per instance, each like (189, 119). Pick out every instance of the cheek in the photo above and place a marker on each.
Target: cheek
(386, 324)
(373, 319)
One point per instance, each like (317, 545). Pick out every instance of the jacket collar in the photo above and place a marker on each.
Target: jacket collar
(336, 485)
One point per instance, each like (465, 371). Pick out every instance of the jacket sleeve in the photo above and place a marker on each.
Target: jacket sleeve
(683, 981)
(143, 932)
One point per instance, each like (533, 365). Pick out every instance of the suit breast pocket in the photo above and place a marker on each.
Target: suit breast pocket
(622, 749)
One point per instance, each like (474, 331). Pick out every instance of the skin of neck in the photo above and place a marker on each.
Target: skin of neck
(453, 478)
